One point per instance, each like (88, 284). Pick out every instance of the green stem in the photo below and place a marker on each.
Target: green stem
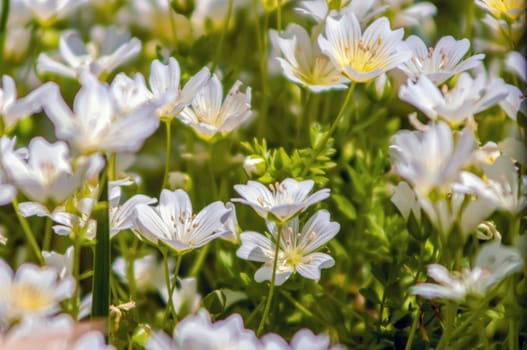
(331, 130)
(411, 336)
(6, 4)
(76, 274)
(381, 310)
(28, 232)
(299, 306)
(450, 315)
(219, 49)
(101, 275)
(200, 260)
(46, 244)
(264, 78)
(168, 145)
(273, 279)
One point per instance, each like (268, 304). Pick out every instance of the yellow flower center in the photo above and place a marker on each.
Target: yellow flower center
(28, 298)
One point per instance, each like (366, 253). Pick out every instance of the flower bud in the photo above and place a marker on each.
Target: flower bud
(254, 165)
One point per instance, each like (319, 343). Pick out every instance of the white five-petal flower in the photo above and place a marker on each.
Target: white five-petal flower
(429, 159)
(200, 333)
(97, 124)
(457, 105)
(441, 62)
(208, 115)
(297, 248)
(362, 56)
(282, 200)
(493, 263)
(304, 63)
(115, 49)
(173, 223)
(48, 173)
(32, 291)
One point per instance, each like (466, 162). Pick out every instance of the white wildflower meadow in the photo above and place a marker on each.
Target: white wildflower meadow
(267, 175)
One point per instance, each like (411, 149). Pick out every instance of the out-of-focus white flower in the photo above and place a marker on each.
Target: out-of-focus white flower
(173, 223)
(13, 109)
(48, 174)
(515, 148)
(31, 292)
(57, 333)
(186, 299)
(493, 263)
(49, 11)
(487, 153)
(211, 14)
(441, 62)
(254, 165)
(197, 332)
(409, 14)
(517, 64)
(509, 9)
(208, 115)
(429, 159)
(406, 201)
(148, 273)
(3, 238)
(281, 200)
(114, 49)
(364, 10)
(500, 185)
(304, 63)
(514, 102)
(362, 56)
(7, 189)
(63, 263)
(457, 105)
(96, 124)
(444, 213)
(303, 339)
(296, 253)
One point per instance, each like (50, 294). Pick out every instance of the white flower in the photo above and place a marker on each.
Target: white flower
(441, 62)
(122, 216)
(319, 9)
(517, 63)
(13, 109)
(130, 93)
(457, 105)
(444, 213)
(96, 123)
(406, 201)
(164, 83)
(296, 253)
(48, 174)
(304, 63)
(173, 223)
(509, 9)
(7, 189)
(500, 185)
(514, 102)
(362, 57)
(429, 159)
(197, 332)
(32, 291)
(186, 299)
(412, 15)
(57, 333)
(281, 200)
(63, 263)
(303, 339)
(49, 11)
(148, 273)
(208, 116)
(493, 263)
(115, 49)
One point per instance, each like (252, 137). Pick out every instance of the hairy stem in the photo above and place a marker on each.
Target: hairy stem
(30, 236)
